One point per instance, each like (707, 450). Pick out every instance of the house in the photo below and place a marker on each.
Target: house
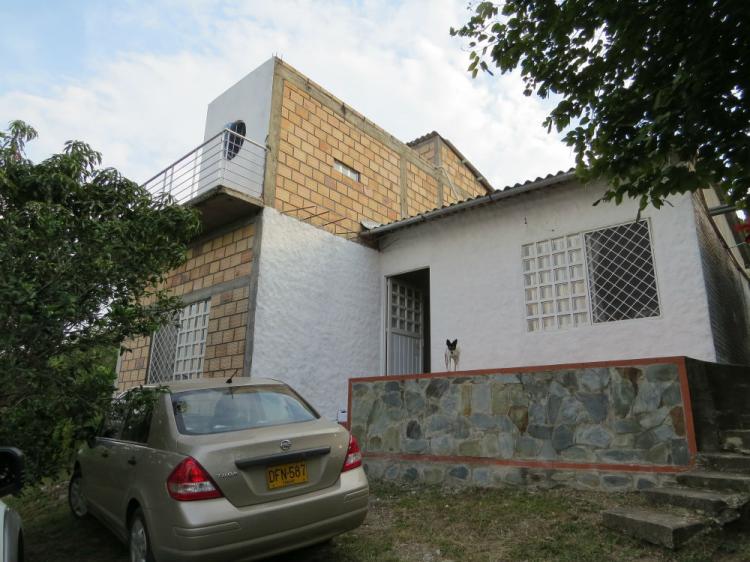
(332, 250)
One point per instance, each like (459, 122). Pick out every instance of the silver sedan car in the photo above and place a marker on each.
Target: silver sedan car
(214, 470)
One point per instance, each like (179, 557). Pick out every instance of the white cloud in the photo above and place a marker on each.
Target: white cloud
(395, 63)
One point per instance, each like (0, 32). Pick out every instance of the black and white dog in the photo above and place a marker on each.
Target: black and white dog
(452, 355)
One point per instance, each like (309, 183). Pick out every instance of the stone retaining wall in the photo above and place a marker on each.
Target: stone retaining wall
(614, 426)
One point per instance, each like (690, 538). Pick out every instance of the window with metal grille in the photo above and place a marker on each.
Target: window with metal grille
(621, 275)
(598, 276)
(177, 348)
(233, 142)
(554, 284)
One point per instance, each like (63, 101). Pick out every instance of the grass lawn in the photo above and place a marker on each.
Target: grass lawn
(420, 525)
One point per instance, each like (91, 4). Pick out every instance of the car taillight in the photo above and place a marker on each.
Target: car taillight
(190, 481)
(353, 455)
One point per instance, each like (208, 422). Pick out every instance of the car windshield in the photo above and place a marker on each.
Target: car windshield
(218, 410)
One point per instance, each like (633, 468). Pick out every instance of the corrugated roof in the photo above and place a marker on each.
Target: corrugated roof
(420, 140)
(481, 200)
(477, 174)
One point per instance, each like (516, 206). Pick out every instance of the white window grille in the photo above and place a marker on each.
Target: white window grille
(163, 346)
(346, 170)
(178, 348)
(621, 273)
(598, 276)
(554, 284)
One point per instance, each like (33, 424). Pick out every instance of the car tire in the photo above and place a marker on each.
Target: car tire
(139, 541)
(76, 499)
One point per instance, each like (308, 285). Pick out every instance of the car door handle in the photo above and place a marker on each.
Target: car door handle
(131, 461)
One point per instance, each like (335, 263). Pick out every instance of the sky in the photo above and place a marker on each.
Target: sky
(134, 78)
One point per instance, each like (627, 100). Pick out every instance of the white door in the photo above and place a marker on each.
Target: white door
(405, 328)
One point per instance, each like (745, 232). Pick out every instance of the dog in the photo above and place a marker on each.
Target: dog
(452, 355)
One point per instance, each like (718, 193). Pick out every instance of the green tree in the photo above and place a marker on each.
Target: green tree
(654, 93)
(83, 256)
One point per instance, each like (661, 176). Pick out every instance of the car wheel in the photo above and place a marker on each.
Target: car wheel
(76, 499)
(139, 541)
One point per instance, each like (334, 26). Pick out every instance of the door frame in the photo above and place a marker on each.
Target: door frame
(384, 313)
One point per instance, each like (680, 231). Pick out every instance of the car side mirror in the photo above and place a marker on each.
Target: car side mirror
(11, 471)
(87, 434)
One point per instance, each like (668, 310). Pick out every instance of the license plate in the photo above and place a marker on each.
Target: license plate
(283, 475)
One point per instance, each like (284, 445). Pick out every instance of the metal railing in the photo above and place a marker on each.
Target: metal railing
(227, 159)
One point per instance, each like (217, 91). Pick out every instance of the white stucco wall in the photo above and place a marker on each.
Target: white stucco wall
(317, 320)
(248, 100)
(476, 281)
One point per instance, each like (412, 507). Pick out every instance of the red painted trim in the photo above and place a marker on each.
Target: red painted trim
(510, 370)
(557, 465)
(687, 409)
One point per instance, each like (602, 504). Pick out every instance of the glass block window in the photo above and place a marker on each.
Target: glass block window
(598, 276)
(177, 348)
(621, 273)
(346, 170)
(555, 284)
(406, 309)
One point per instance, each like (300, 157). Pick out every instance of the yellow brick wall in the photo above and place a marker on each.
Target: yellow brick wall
(133, 363)
(312, 136)
(426, 151)
(422, 190)
(210, 262)
(215, 261)
(227, 329)
(460, 175)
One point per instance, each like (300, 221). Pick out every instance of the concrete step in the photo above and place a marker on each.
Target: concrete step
(726, 462)
(736, 439)
(722, 506)
(657, 527)
(715, 480)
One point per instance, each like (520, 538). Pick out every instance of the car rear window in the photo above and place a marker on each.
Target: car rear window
(218, 410)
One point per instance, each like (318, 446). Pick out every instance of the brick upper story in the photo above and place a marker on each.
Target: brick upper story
(396, 180)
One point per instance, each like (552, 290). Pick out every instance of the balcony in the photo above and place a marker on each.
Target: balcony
(222, 178)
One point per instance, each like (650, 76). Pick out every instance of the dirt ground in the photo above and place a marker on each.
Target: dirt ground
(420, 525)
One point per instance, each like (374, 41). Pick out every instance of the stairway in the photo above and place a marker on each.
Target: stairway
(713, 494)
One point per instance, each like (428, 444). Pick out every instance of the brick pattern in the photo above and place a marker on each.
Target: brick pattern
(227, 328)
(133, 363)
(422, 190)
(215, 261)
(210, 262)
(312, 136)
(460, 175)
(426, 151)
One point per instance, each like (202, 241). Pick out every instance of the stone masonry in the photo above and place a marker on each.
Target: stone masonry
(603, 417)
